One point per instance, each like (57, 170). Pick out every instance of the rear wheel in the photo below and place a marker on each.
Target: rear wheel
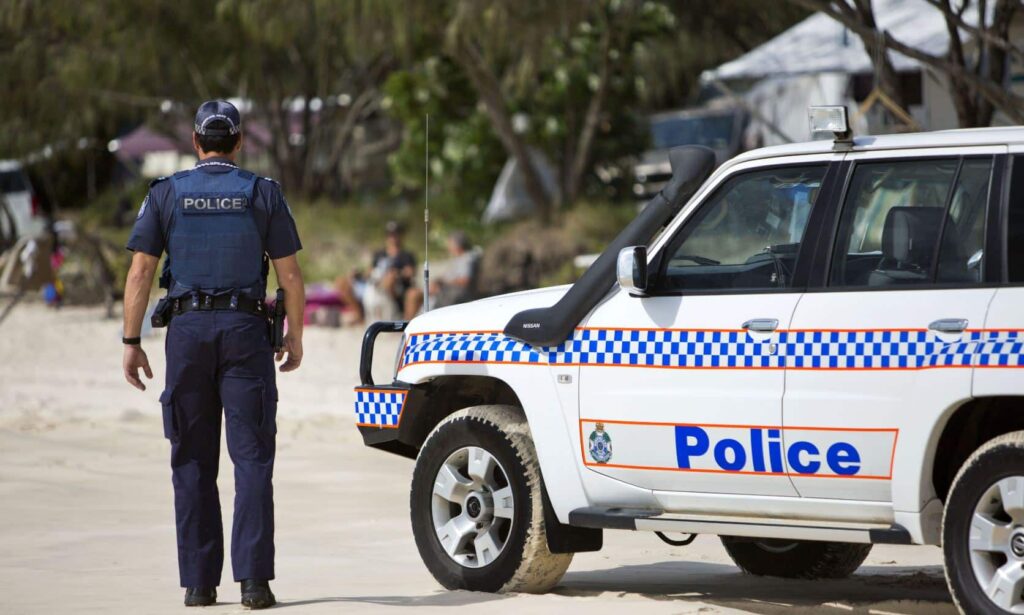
(477, 505)
(795, 559)
(983, 529)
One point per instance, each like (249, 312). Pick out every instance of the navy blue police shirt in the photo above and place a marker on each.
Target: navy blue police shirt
(273, 217)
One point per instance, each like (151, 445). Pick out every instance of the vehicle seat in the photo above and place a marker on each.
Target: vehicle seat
(908, 247)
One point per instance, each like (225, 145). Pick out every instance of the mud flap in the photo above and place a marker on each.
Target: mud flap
(567, 538)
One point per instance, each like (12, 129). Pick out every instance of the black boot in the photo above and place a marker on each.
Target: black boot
(200, 596)
(257, 594)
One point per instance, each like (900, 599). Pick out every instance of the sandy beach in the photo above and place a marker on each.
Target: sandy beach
(87, 525)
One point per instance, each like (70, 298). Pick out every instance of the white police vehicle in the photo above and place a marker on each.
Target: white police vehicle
(820, 349)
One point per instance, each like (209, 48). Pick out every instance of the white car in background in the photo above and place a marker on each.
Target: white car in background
(821, 349)
(719, 128)
(22, 201)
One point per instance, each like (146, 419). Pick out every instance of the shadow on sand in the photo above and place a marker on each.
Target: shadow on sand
(889, 589)
(443, 598)
(893, 589)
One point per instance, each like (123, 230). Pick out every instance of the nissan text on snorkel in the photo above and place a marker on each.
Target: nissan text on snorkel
(812, 349)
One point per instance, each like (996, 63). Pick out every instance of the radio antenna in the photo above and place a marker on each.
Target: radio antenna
(426, 216)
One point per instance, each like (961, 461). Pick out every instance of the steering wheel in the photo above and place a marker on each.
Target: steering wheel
(781, 271)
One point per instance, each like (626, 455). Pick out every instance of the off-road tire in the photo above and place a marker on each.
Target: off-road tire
(998, 458)
(525, 564)
(795, 559)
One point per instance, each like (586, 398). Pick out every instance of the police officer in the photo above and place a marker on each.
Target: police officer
(221, 226)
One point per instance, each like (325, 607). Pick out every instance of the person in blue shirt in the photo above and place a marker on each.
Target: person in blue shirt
(221, 228)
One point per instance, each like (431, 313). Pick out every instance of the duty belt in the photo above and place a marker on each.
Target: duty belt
(201, 302)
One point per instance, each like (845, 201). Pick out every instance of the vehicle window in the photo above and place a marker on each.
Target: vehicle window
(962, 247)
(1015, 230)
(914, 222)
(13, 181)
(747, 235)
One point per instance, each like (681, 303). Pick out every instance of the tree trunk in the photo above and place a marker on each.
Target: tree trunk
(581, 152)
(886, 77)
(489, 91)
(998, 56)
(964, 98)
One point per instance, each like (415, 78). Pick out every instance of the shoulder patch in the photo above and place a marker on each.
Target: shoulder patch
(142, 209)
(158, 180)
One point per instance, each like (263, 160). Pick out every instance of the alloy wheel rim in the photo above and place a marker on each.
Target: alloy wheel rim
(996, 543)
(472, 507)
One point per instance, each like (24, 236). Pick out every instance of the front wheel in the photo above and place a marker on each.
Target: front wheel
(795, 559)
(983, 529)
(477, 505)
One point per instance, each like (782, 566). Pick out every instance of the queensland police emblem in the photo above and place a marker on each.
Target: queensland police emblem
(600, 444)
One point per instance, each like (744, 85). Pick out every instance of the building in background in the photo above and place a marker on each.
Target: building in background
(151, 154)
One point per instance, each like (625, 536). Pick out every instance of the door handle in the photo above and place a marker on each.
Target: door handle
(761, 325)
(949, 325)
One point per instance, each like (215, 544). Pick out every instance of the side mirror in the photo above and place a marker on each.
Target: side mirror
(631, 270)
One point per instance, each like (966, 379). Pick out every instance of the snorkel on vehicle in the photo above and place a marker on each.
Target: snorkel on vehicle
(550, 326)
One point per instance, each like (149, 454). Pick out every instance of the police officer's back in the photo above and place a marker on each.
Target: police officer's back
(221, 227)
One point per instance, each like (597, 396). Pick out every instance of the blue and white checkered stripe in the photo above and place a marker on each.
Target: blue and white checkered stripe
(382, 408)
(666, 348)
(471, 348)
(728, 349)
(641, 348)
(873, 350)
(1001, 349)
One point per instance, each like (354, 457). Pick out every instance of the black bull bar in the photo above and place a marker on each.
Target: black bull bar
(369, 339)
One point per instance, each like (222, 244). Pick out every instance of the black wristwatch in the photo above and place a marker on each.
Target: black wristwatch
(131, 341)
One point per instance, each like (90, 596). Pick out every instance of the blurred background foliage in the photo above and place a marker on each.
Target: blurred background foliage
(76, 74)
(331, 83)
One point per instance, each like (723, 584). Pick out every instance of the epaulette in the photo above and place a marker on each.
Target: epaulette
(158, 180)
(181, 174)
(271, 180)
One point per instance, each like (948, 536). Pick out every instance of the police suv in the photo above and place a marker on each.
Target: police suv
(809, 350)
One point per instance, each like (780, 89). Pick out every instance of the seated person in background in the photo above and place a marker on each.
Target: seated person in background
(387, 291)
(457, 281)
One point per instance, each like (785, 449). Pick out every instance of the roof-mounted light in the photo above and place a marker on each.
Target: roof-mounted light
(832, 119)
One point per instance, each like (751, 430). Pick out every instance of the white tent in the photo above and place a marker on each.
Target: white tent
(810, 64)
(819, 44)
(510, 200)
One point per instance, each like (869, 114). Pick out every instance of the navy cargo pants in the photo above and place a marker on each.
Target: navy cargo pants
(215, 360)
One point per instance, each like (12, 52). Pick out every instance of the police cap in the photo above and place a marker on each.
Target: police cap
(218, 118)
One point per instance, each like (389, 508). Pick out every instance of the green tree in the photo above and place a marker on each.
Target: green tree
(583, 74)
(556, 78)
(707, 33)
(534, 57)
(312, 73)
(74, 75)
(465, 155)
(316, 73)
